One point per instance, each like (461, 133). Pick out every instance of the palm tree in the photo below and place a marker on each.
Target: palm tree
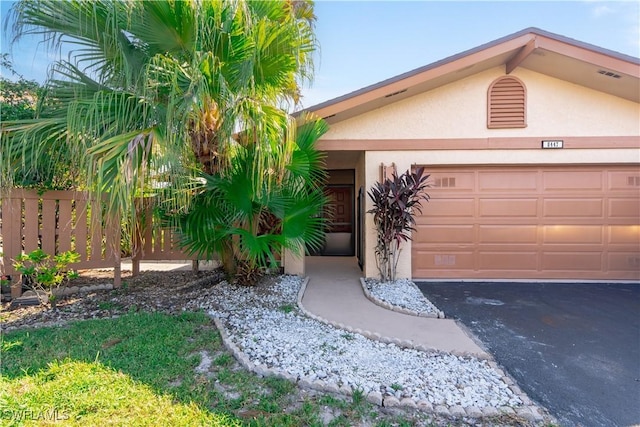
(248, 225)
(163, 91)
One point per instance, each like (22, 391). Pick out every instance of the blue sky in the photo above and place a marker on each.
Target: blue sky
(364, 42)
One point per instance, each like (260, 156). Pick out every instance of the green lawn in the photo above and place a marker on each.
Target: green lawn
(139, 370)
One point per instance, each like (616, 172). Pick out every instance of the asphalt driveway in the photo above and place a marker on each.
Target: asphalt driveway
(573, 348)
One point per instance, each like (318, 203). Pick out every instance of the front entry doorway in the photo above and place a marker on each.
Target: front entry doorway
(340, 237)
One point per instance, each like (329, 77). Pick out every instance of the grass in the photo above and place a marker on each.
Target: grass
(286, 308)
(153, 348)
(77, 393)
(107, 305)
(139, 370)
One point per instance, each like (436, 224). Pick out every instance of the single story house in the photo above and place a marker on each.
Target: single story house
(532, 142)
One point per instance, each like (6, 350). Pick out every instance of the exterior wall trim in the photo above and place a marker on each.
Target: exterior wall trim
(503, 143)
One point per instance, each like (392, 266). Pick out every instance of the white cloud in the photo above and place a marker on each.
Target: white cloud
(601, 10)
(622, 19)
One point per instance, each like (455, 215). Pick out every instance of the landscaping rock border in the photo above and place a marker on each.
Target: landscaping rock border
(34, 297)
(529, 411)
(439, 314)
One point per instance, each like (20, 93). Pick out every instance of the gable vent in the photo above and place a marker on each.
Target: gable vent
(609, 74)
(507, 99)
(395, 93)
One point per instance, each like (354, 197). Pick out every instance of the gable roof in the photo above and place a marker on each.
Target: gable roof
(537, 50)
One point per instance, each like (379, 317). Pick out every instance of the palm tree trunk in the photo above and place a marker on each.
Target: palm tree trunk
(228, 259)
(205, 136)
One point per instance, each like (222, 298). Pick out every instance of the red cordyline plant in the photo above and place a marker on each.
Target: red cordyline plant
(395, 203)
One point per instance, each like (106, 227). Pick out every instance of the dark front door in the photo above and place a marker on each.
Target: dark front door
(341, 215)
(340, 238)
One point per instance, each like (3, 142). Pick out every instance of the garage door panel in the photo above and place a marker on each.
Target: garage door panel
(508, 207)
(443, 273)
(508, 261)
(624, 180)
(508, 234)
(574, 181)
(624, 208)
(502, 181)
(575, 208)
(572, 234)
(450, 207)
(452, 260)
(546, 222)
(580, 261)
(625, 261)
(444, 233)
(624, 235)
(452, 181)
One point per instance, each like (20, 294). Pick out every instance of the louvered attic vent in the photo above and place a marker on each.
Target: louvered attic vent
(507, 103)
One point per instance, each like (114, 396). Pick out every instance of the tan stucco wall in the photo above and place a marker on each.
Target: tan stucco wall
(459, 110)
(555, 108)
(292, 263)
(373, 160)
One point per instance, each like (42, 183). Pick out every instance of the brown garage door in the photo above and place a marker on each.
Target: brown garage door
(530, 223)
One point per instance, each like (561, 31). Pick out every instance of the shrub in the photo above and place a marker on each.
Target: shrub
(248, 215)
(42, 273)
(395, 202)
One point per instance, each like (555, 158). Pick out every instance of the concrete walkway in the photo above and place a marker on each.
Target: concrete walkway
(334, 292)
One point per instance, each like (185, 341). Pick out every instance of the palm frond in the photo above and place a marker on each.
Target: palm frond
(154, 93)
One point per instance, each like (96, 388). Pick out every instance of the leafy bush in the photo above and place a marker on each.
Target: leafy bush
(18, 99)
(249, 215)
(395, 202)
(42, 273)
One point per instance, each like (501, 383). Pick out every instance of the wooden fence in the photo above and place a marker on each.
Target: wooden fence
(153, 241)
(59, 221)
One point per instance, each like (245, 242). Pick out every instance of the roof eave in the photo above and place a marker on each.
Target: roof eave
(522, 43)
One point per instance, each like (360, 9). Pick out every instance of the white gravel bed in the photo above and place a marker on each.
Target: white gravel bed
(270, 329)
(402, 293)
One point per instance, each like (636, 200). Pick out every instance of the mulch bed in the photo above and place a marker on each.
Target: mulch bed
(165, 291)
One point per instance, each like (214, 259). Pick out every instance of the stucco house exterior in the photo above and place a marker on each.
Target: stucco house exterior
(532, 142)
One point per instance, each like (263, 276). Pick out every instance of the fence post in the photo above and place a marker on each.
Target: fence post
(113, 227)
(138, 232)
(12, 238)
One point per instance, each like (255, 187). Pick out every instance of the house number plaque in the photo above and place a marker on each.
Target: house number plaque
(552, 143)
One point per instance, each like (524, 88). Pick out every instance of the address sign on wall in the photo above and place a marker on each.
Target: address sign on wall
(552, 143)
